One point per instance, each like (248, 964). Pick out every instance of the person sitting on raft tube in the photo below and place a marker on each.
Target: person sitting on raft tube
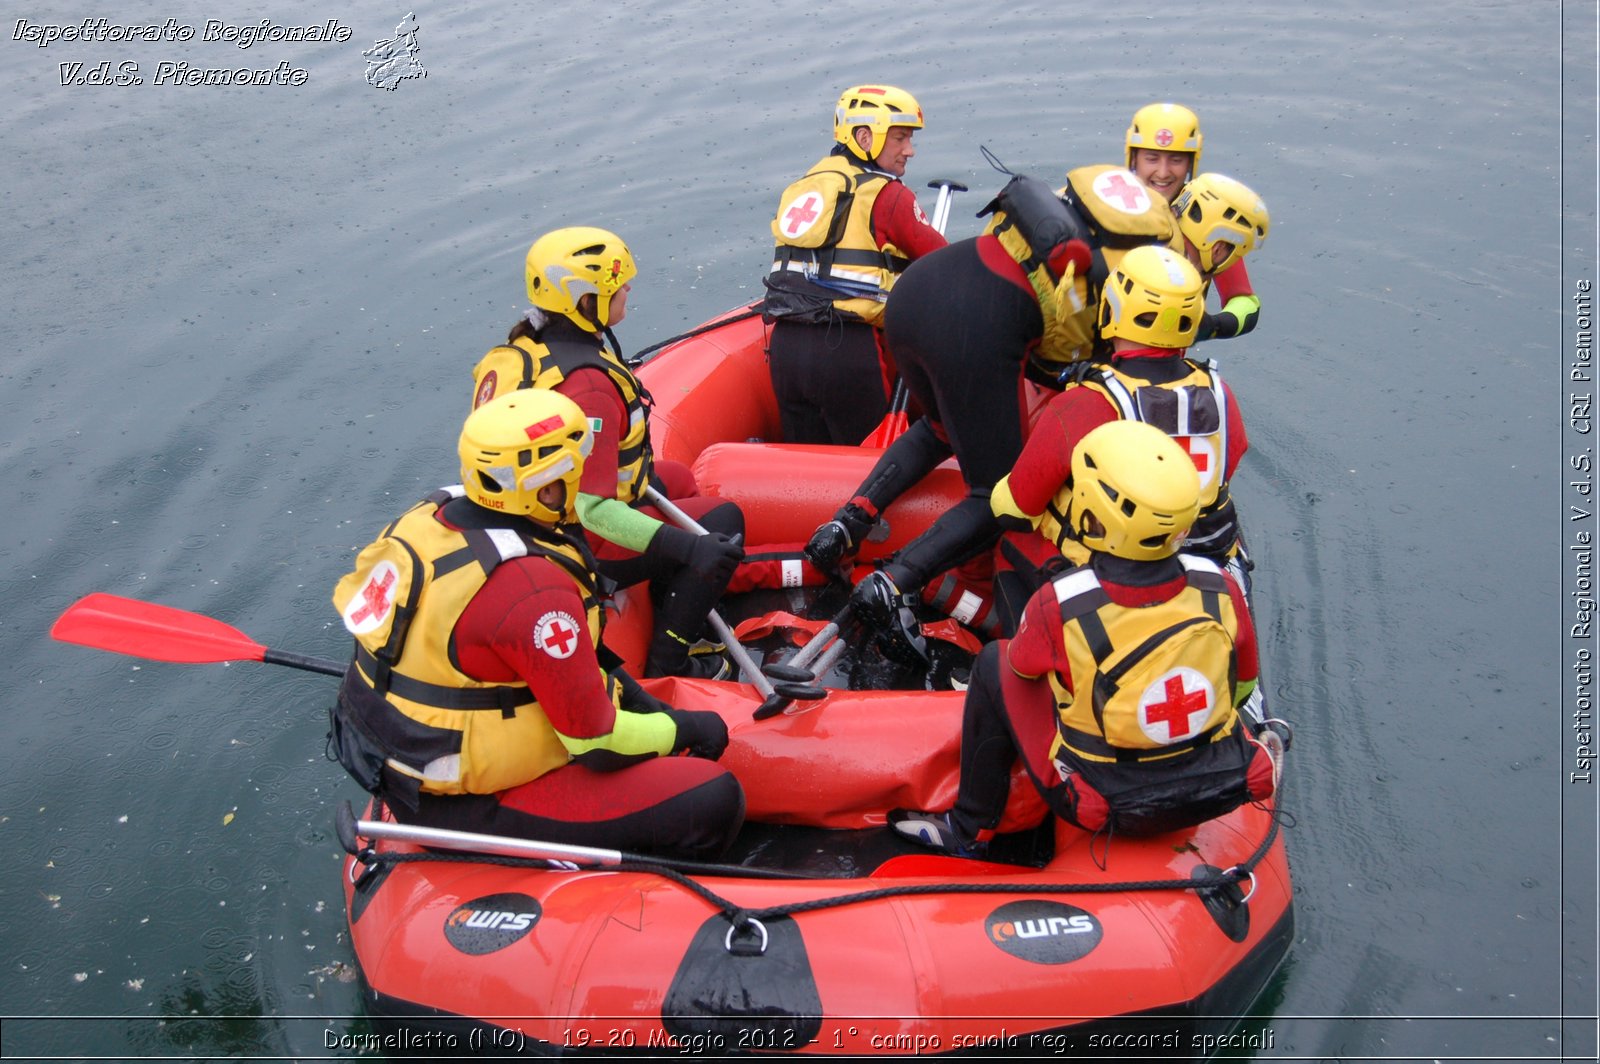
(965, 324)
(844, 232)
(1119, 690)
(1150, 312)
(578, 281)
(1164, 143)
(475, 700)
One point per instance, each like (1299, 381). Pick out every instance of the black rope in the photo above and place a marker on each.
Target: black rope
(740, 917)
(748, 312)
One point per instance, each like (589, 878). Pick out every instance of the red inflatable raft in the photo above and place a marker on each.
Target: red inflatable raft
(823, 933)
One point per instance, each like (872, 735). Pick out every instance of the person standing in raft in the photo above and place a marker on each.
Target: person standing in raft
(844, 231)
(1164, 143)
(475, 700)
(578, 281)
(968, 324)
(1119, 690)
(1150, 313)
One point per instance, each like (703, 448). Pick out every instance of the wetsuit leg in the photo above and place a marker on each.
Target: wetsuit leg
(961, 533)
(680, 806)
(906, 461)
(827, 381)
(987, 751)
(682, 599)
(959, 333)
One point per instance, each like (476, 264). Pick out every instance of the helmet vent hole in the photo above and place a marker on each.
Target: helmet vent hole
(1128, 508)
(524, 457)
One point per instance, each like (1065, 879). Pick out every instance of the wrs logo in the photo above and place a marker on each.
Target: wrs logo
(1043, 932)
(492, 923)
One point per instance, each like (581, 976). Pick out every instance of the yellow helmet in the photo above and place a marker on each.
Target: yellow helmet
(1154, 296)
(1214, 209)
(878, 107)
(567, 264)
(1165, 127)
(1135, 492)
(514, 445)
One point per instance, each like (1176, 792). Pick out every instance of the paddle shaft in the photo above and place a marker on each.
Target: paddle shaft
(505, 846)
(307, 662)
(941, 205)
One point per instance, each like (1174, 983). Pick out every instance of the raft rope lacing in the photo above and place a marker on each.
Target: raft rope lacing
(637, 359)
(744, 921)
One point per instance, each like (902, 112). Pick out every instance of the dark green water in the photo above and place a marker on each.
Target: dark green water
(241, 323)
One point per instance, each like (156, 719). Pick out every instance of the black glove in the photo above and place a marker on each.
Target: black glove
(712, 557)
(700, 732)
(839, 539)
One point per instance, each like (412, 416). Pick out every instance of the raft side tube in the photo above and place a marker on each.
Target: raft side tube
(787, 489)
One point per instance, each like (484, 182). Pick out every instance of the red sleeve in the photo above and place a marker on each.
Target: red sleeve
(599, 399)
(1238, 441)
(897, 219)
(1037, 647)
(527, 623)
(1046, 458)
(1244, 641)
(1234, 281)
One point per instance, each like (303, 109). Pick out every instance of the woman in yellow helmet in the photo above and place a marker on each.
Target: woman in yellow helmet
(578, 279)
(1119, 692)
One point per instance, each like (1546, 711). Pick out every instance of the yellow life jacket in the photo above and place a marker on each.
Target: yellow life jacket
(825, 254)
(527, 363)
(1147, 683)
(438, 729)
(1193, 410)
(1120, 214)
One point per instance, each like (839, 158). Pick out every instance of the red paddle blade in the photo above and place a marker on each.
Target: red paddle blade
(942, 866)
(891, 428)
(148, 630)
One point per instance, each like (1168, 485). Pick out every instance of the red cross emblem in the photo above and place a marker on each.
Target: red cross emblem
(1132, 195)
(1164, 138)
(1204, 455)
(371, 604)
(1182, 708)
(801, 213)
(556, 634)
